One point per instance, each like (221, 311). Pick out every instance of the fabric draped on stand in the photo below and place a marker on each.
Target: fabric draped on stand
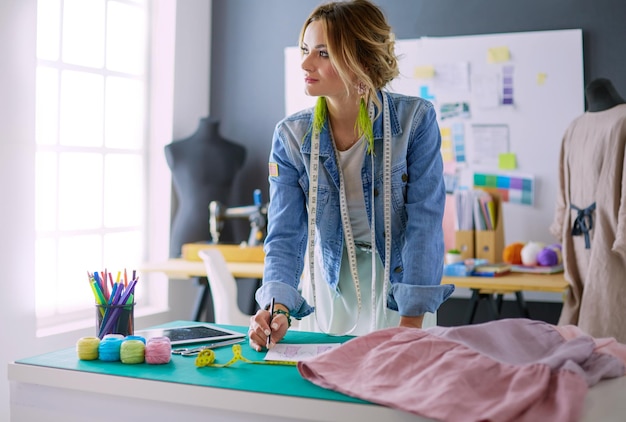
(583, 222)
(591, 171)
(504, 370)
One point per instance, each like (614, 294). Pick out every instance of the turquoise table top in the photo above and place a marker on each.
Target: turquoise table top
(271, 379)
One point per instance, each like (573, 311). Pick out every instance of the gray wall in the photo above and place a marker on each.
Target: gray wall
(248, 38)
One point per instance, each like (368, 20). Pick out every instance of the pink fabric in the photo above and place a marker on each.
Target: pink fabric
(603, 345)
(504, 370)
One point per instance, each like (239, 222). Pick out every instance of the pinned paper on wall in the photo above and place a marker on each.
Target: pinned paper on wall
(454, 77)
(450, 110)
(507, 161)
(485, 90)
(424, 72)
(507, 85)
(498, 54)
(489, 142)
(541, 78)
(512, 188)
(447, 154)
(458, 140)
(425, 94)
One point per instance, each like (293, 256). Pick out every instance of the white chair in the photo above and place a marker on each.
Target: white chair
(223, 289)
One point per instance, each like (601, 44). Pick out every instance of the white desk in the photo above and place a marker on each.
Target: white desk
(55, 395)
(52, 395)
(57, 387)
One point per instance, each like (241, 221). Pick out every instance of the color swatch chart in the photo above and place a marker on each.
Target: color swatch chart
(512, 188)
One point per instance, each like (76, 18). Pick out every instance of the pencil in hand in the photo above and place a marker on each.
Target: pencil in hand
(269, 337)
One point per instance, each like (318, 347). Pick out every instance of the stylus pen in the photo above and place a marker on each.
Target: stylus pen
(269, 337)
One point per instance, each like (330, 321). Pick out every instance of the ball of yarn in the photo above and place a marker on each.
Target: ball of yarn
(158, 350)
(530, 251)
(132, 337)
(132, 351)
(87, 348)
(512, 254)
(110, 349)
(116, 336)
(550, 256)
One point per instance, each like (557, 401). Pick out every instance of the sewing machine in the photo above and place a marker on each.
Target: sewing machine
(256, 214)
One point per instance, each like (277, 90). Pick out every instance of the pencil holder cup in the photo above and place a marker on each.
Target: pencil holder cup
(115, 319)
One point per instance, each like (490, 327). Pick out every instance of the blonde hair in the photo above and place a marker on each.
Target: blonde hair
(360, 43)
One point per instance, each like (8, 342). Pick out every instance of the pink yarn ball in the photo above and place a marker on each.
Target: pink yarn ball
(158, 350)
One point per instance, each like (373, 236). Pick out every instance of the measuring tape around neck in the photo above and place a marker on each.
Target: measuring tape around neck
(345, 219)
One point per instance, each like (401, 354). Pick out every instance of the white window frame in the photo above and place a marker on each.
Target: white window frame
(159, 115)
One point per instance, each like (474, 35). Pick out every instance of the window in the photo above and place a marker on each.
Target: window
(91, 148)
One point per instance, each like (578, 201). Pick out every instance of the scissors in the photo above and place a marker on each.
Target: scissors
(194, 351)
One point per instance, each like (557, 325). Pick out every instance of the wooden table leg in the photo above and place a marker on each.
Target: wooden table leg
(521, 304)
(202, 302)
(473, 305)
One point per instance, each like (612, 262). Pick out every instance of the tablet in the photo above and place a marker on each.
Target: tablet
(197, 333)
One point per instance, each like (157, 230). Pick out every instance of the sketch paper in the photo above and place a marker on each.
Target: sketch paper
(489, 142)
(452, 77)
(285, 352)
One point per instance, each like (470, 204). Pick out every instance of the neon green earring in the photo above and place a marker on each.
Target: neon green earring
(363, 123)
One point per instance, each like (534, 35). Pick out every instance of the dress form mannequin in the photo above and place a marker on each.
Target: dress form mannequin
(203, 167)
(590, 214)
(601, 95)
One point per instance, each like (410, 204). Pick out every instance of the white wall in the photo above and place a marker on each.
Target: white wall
(191, 103)
(17, 174)
(193, 65)
(17, 144)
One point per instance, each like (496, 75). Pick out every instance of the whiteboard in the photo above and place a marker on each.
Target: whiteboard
(544, 70)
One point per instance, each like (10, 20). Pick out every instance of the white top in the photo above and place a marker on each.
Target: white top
(351, 163)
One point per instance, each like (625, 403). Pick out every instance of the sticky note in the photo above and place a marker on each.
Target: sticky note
(541, 78)
(424, 72)
(446, 145)
(507, 161)
(273, 169)
(498, 54)
(425, 94)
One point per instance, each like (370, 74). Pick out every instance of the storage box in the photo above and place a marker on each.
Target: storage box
(464, 242)
(489, 244)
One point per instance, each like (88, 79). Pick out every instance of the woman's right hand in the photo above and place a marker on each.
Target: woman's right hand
(260, 328)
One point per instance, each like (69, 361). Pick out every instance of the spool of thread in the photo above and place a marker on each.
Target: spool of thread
(117, 336)
(142, 339)
(110, 349)
(158, 350)
(132, 351)
(87, 348)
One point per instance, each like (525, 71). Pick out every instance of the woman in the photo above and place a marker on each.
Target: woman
(323, 159)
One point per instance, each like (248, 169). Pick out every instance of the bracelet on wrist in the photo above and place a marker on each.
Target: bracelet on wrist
(281, 312)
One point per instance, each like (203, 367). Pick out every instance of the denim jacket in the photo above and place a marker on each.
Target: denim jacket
(417, 203)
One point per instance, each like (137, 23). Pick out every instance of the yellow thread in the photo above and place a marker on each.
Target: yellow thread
(207, 358)
(87, 348)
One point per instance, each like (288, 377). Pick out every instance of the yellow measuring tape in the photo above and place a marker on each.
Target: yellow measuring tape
(207, 358)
